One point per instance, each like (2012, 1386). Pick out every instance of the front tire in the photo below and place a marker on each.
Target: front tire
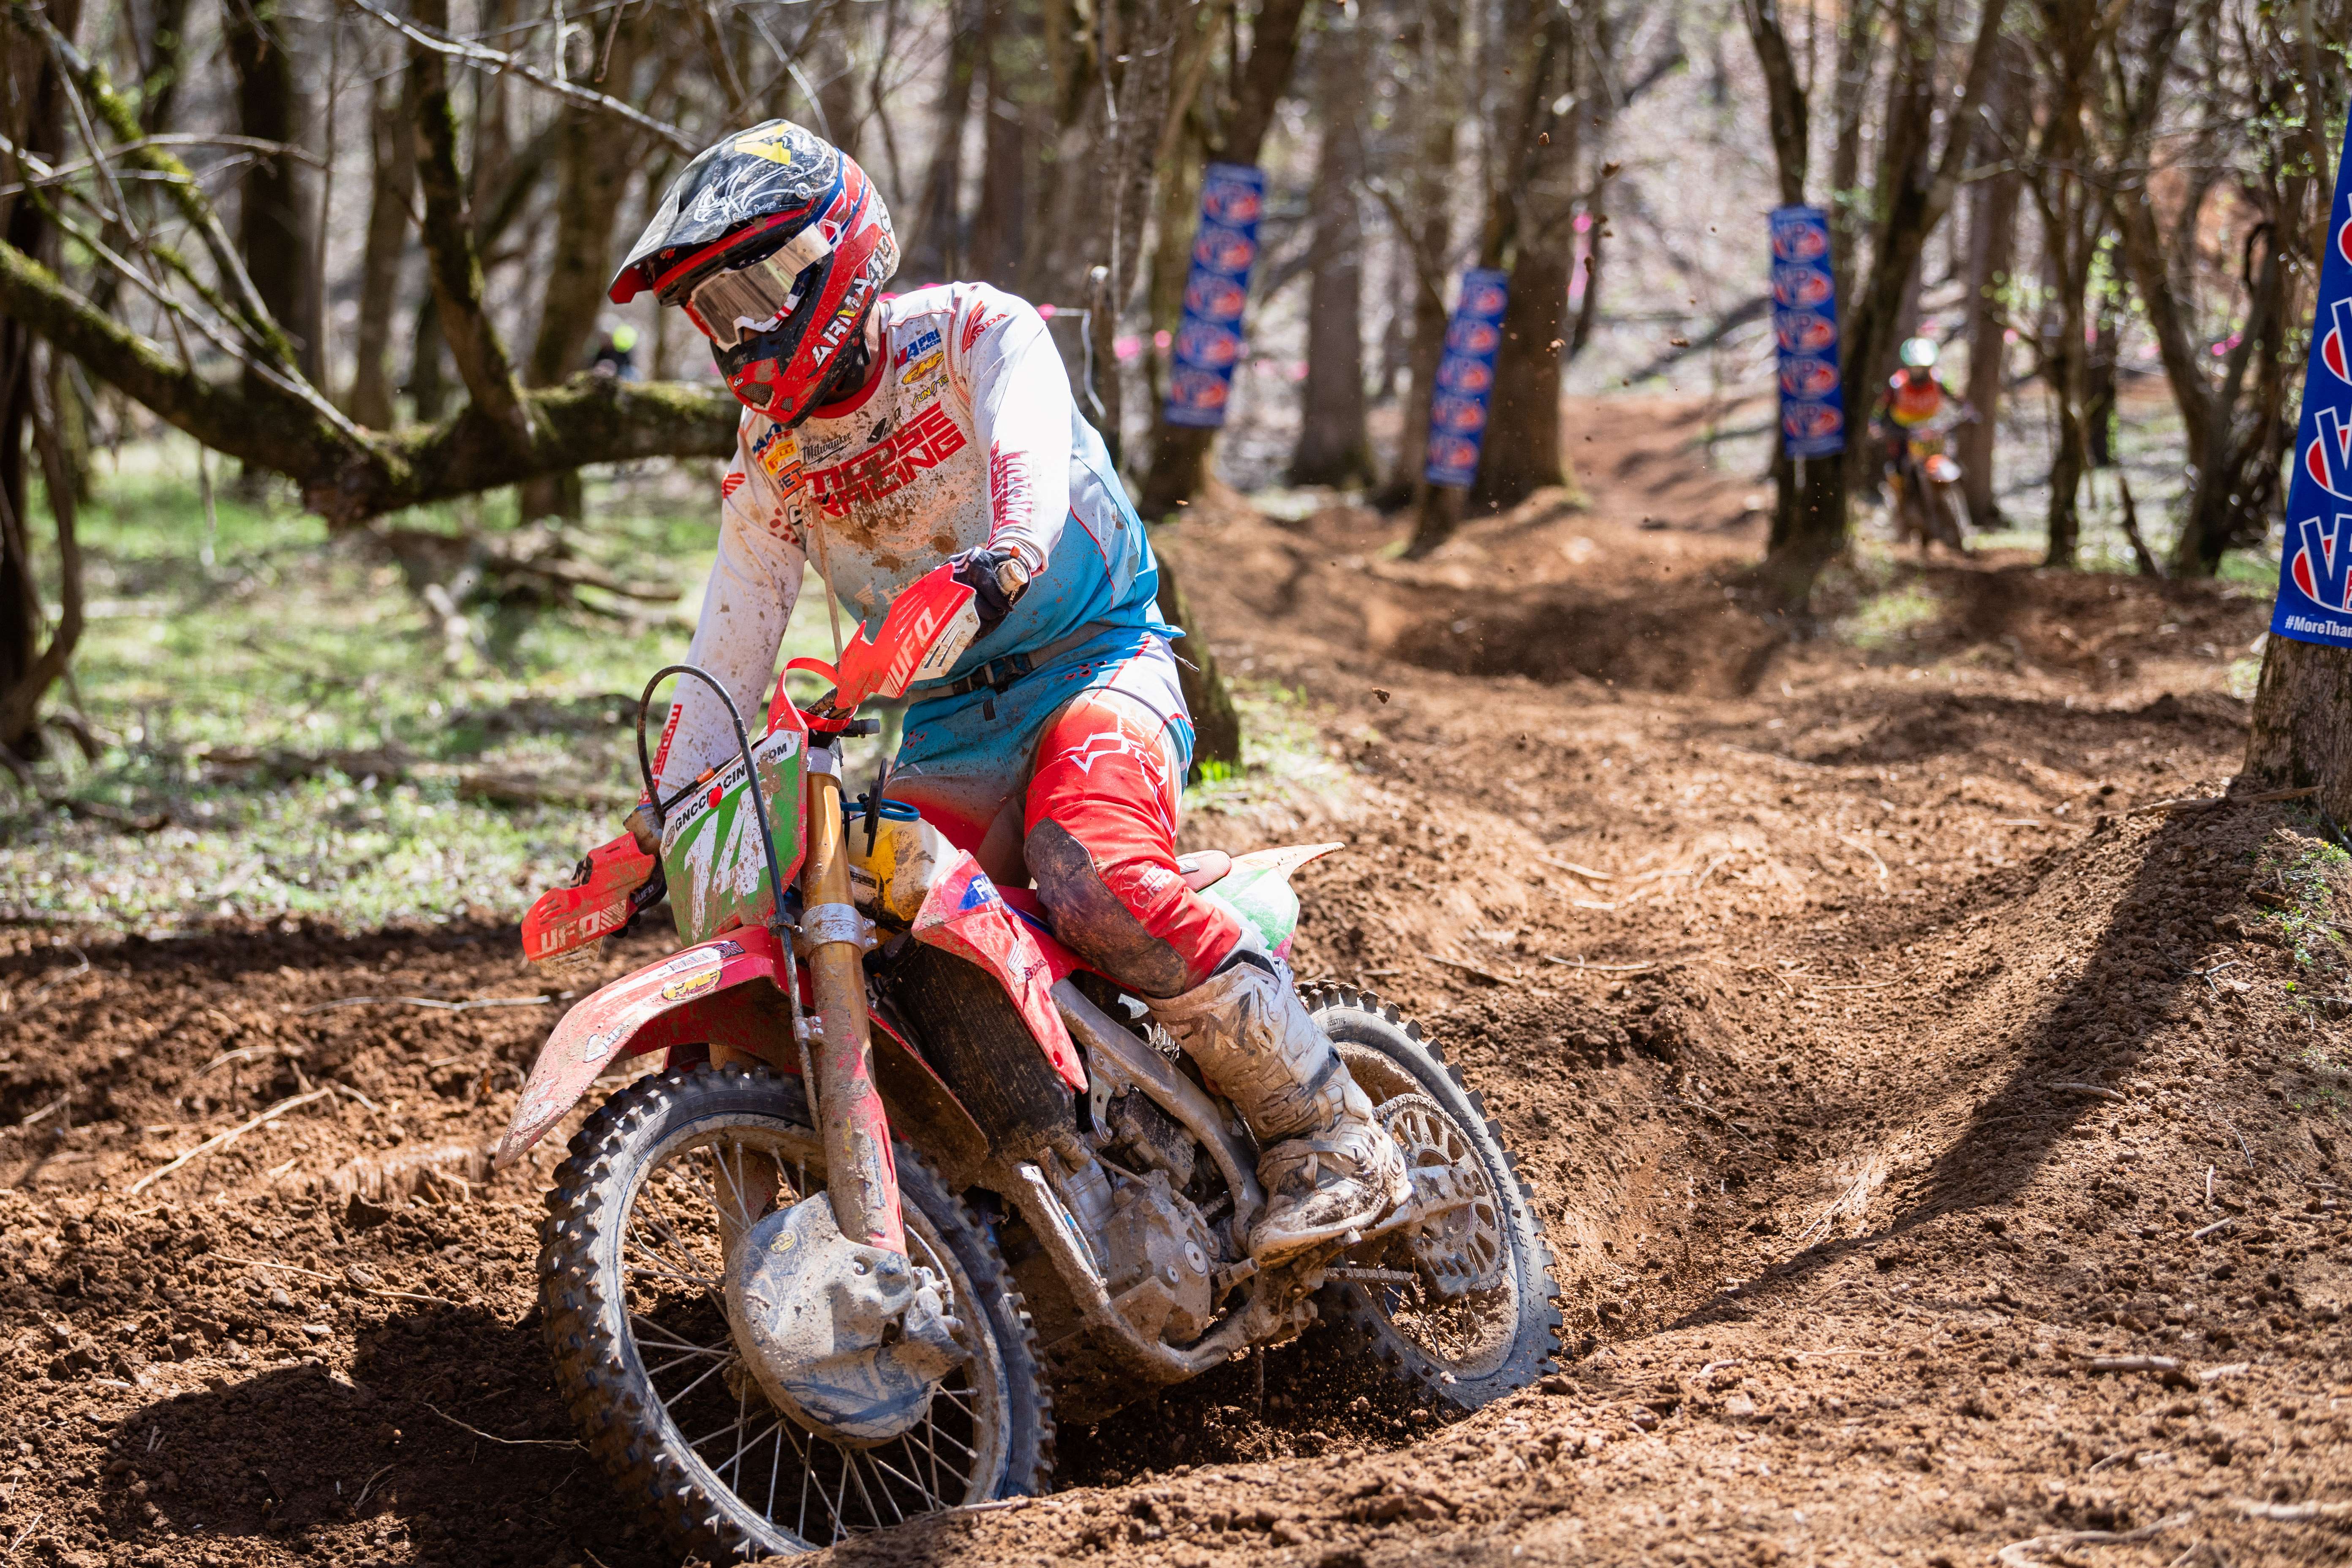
(630, 1261)
(1469, 1348)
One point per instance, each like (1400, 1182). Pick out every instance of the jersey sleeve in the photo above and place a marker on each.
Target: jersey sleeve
(746, 607)
(1022, 413)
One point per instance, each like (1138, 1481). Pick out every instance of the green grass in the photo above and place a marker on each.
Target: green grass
(293, 642)
(1282, 753)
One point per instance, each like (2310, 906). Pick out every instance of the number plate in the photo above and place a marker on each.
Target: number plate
(710, 848)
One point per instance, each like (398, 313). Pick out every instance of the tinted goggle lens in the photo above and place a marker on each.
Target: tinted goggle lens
(746, 300)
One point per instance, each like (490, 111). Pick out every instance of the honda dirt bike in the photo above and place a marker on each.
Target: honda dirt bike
(915, 1179)
(1925, 482)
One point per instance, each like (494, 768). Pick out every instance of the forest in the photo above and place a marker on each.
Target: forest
(1774, 560)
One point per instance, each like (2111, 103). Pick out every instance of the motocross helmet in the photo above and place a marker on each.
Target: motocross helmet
(776, 246)
(1918, 354)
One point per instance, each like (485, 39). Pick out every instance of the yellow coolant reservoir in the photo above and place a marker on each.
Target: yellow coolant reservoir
(889, 876)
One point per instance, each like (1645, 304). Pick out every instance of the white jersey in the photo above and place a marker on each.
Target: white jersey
(968, 438)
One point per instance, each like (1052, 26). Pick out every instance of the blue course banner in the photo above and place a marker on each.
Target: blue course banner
(2315, 595)
(1804, 325)
(1466, 379)
(1209, 339)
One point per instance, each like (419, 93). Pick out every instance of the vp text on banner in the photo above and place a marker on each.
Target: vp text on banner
(2314, 595)
(1466, 379)
(1209, 338)
(1804, 328)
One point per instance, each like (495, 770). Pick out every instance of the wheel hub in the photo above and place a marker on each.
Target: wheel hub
(1459, 1247)
(849, 1341)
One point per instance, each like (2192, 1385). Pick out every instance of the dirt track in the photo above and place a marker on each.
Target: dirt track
(1853, 1034)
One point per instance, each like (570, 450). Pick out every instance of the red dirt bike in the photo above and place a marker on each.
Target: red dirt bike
(1925, 483)
(915, 1179)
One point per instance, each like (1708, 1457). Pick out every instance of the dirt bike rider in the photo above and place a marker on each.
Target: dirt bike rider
(889, 438)
(1914, 398)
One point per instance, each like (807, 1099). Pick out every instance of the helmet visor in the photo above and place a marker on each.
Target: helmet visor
(744, 301)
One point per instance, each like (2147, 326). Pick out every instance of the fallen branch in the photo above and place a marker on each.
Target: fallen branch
(426, 1002)
(1486, 974)
(2217, 1225)
(2162, 1364)
(2208, 802)
(1599, 968)
(1573, 869)
(2015, 1554)
(223, 1140)
(2293, 1512)
(494, 1437)
(2097, 1092)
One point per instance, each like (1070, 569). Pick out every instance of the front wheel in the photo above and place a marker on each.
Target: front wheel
(1468, 1311)
(632, 1262)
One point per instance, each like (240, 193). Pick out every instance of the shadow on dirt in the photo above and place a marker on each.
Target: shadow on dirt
(2093, 1031)
(297, 1450)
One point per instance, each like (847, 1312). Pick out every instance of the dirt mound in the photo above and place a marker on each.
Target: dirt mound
(1677, 640)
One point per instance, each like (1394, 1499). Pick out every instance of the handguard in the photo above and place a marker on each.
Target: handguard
(614, 882)
(927, 630)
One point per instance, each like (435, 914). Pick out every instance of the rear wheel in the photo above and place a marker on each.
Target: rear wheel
(631, 1268)
(1466, 1310)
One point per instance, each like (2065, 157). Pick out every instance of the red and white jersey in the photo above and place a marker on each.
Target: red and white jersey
(968, 437)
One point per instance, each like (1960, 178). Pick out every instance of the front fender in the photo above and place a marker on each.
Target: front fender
(728, 991)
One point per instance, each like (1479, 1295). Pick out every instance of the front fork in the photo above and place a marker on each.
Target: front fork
(861, 1178)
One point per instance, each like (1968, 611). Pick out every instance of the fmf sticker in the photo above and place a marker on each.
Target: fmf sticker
(779, 452)
(924, 366)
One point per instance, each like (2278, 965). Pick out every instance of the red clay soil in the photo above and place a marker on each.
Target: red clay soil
(1941, 1154)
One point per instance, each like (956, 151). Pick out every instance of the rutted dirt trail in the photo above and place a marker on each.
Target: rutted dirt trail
(1882, 1077)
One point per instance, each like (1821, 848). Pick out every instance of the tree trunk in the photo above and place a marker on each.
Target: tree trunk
(2065, 366)
(935, 242)
(594, 161)
(33, 114)
(393, 157)
(273, 216)
(1992, 249)
(1522, 453)
(998, 230)
(2303, 722)
(1216, 725)
(1437, 38)
(1334, 446)
(1180, 453)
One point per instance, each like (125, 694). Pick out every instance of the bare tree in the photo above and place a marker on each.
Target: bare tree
(1334, 446)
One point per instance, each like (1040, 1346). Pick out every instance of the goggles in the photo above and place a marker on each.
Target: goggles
(746, 300)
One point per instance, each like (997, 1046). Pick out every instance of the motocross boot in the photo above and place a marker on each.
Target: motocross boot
(1328, 1164)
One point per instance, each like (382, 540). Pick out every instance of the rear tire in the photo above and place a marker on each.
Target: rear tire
(1520, 1316)
(601, 1287)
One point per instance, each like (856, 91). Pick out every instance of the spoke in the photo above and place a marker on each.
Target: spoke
(683, 1360)
(690, 1388)
(648, 1272)
(841, 1496)
(734, 1425)
(871, 1511)
(648, 1331)
(808, 1471)
(685, 1258)
(775, 1468)
(874, 1457)
(736, 1458)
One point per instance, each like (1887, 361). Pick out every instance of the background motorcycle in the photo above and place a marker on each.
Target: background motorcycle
(1926, 487)
(916, 1180)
